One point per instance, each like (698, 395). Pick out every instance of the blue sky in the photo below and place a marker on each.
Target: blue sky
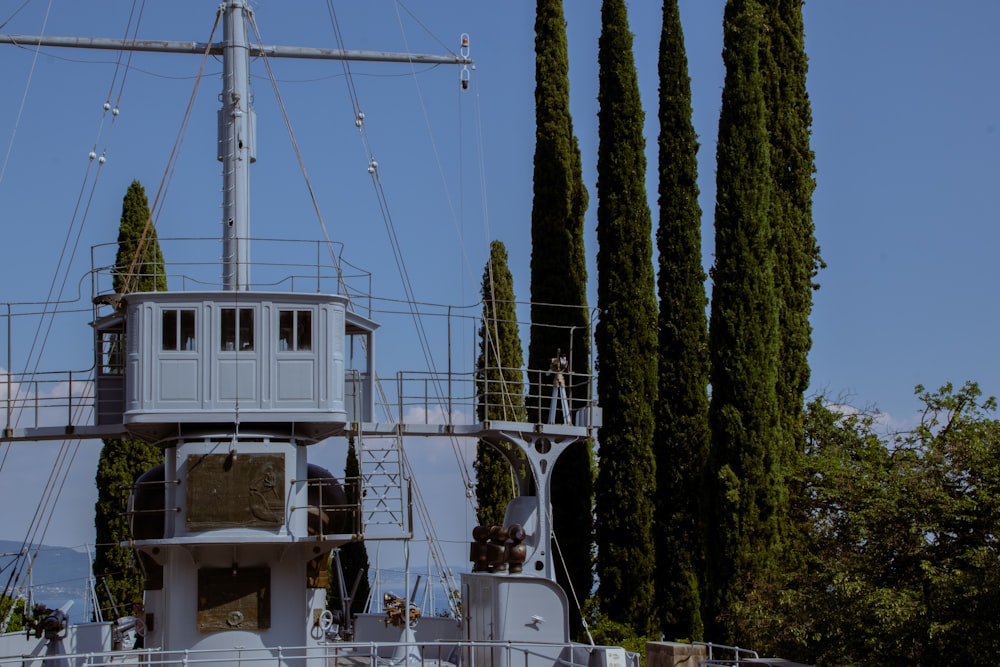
(906, 133)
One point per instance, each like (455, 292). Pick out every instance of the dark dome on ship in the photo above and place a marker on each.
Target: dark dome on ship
(148, 504)
(329, 511)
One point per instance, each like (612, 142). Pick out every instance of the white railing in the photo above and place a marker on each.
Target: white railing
(720, 655)
(465, 398)
(351, 654)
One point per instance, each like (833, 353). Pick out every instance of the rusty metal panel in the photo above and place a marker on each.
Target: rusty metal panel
(234, 599)
(235, 491)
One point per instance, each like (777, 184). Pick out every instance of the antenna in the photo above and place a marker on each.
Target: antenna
(236, 125)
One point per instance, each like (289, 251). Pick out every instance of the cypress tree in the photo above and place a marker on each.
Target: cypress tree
(682, 433)
(748, 492)
(789, 119)
(559, 312)
(139, 262)
(626, 337)
(500, 389)
(353, 555)
(121, 462)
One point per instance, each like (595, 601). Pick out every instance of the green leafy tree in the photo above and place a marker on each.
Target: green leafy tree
(747, 495)
(139, 266)
(500, 387)
(682, 434)
(559, 311)
(899, 541)
(12, 611)
(121, 462)
(626, 338)
(353, 555)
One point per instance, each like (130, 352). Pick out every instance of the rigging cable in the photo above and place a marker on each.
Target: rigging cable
(401, 265)
(41, 508)
(15, 13)
(171, 165)
(421, 507)
(298, 156)
(76, 221)
(411, 297)
(50, 497)
(46, 506)
(93, 187)
(27, 86)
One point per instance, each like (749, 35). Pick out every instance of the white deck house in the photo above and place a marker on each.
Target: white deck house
(200, 358)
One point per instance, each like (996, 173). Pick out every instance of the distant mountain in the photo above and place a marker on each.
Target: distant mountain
(59, 575)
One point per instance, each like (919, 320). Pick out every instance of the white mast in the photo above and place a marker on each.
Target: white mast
(237, 125)
(236, 130)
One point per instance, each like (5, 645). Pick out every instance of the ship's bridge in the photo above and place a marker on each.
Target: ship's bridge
(197, 358)
(174, 363)
(295, 350)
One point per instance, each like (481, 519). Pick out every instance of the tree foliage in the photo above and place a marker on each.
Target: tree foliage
(900, 536)
(682, 433)
(353, 555)
(747, 495)
(139, 263)
(13, 611)
(121, 462)
(797, 261)
(626, 337)
(559, 312)
(500, 386)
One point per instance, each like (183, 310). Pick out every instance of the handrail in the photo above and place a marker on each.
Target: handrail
(469, 395)
(376, 654)
(739, 655)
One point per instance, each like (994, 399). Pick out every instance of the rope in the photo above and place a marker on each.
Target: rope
(168, 171)
(55, 484)
(52, 492)
(411, 302)
(27, 86)
(298, 156)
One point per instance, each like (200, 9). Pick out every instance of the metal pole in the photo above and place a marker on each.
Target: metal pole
(217, 48)
(569, 385)
(9, 397)
(449, 366)
(236, 125)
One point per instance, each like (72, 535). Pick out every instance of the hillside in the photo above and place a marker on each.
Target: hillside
(59, 575)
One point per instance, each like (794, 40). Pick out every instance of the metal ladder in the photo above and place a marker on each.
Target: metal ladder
(385, 500)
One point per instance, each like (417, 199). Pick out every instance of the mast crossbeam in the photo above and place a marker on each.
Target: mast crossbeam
(217, 48)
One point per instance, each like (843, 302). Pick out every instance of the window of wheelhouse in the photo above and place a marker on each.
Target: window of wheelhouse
(237, 329)
(294, 330)
(112, 353)
(178, 329)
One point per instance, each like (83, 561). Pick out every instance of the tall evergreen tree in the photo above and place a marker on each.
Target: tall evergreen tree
(138, 267)
(748, 492)
(353, 555)
(139, 262)
(682, 433)
(121, 462)
(789, 119)
(559, 313)
(500, 390)
(626, 337)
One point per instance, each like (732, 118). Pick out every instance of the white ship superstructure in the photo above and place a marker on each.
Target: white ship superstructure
(234, 531)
